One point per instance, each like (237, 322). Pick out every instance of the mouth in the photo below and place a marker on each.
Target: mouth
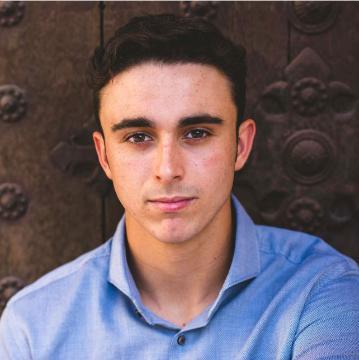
(171, 204)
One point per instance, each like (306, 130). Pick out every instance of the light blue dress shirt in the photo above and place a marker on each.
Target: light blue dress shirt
(287, 295)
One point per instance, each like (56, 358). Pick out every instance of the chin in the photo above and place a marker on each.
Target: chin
(172, 237)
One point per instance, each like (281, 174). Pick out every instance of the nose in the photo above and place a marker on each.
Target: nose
(169, 165)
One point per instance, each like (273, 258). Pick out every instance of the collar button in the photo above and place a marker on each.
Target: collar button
(181, 340)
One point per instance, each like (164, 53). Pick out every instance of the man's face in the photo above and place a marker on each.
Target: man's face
(170, 146)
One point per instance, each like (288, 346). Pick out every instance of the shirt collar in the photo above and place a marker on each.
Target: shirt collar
(119, 272)
(245, 263)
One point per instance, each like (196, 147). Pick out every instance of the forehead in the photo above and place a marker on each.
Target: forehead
(153, 89)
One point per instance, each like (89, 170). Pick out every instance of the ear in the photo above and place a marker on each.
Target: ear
(246, 133)
(101, 152)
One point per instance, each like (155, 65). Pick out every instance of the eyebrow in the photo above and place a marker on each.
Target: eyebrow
(146, 123)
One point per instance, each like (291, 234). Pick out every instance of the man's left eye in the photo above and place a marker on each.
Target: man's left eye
(196, 134)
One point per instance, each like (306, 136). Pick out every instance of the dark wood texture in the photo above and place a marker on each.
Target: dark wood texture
(45, 55)
(304, 173)
(338, 46)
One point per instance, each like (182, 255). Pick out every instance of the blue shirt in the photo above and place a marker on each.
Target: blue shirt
(287, 295)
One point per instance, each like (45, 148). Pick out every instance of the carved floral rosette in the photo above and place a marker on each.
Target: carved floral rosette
(307, 150)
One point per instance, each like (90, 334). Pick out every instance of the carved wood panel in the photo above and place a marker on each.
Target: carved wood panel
(44, 214)
(308, 120)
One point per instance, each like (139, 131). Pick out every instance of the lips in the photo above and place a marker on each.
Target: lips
(171, 204)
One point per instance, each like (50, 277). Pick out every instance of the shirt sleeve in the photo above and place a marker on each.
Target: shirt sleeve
(13, 344)
(329, 326)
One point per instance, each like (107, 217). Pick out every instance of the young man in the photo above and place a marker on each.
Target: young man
(187, 274)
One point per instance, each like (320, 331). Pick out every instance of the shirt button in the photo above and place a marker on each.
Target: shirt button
(181, 340)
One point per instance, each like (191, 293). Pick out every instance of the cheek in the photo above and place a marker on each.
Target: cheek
(128, 171)
(216, 167)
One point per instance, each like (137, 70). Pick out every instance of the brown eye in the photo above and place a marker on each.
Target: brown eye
(139, 138)
(197, 134)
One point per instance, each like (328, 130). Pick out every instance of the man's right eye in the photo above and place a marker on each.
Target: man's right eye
(138, 138)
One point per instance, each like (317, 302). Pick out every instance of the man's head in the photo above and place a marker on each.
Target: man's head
(169, 39)
(169, 140)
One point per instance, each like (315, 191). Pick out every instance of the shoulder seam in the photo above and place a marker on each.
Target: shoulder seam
(281, 254)
(58, 278)
(335, 254)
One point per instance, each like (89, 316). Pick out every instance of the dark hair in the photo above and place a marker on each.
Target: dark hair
(168, 39)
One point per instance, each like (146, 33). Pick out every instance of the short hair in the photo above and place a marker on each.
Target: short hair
(168, 39)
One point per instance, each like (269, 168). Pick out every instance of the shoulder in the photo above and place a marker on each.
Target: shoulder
(68, 277)
(301, 249)
(322, 285)
(56, 301)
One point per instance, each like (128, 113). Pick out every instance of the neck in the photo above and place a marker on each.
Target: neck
(179, 280)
